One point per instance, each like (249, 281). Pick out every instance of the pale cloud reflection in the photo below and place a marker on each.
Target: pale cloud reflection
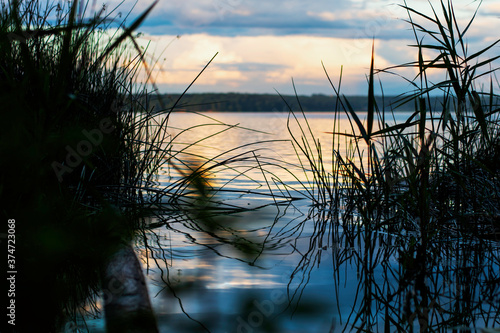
(237, 278)
(211, 273)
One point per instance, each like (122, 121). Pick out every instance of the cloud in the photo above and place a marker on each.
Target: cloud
(252, 67)
(344, 19)
(262, 45)
(492, 9)
(264, 63)
(382, 19)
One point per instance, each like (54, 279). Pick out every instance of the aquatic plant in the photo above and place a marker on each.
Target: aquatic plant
(73, 161)
(423, 192)
(85, 143)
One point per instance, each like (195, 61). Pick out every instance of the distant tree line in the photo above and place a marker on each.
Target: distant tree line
(238, 102)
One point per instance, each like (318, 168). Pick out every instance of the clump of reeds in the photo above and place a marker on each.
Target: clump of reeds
(426, 189)
(84, 146)
(438, 167)
(72, 159)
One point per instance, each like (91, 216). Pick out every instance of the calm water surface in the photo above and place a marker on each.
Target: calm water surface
(229, 295)
(303, 257)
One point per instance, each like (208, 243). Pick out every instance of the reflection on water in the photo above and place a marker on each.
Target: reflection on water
(282, 266)
(230, 292)
(327, 280)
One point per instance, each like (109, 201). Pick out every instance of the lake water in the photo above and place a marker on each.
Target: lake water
(227, 294)
(306, 277)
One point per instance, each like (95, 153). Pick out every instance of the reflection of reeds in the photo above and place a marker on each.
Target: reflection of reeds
(84, 149)
(423, 192)
(69, 88)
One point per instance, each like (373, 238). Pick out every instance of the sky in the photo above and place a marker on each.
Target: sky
(262, 45)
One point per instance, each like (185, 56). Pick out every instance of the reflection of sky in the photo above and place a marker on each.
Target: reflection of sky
(275, 154)
(214, 287)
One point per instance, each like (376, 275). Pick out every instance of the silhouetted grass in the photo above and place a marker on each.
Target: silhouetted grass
(83, 148)
(73, 159)
(423, 192)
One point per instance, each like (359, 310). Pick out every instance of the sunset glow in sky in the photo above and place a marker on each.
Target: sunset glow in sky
(263, 45)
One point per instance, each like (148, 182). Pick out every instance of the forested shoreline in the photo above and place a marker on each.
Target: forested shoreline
(241, 102)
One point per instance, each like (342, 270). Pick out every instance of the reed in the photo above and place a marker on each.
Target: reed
(72, 138)
(85, 142)
(423, 192)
